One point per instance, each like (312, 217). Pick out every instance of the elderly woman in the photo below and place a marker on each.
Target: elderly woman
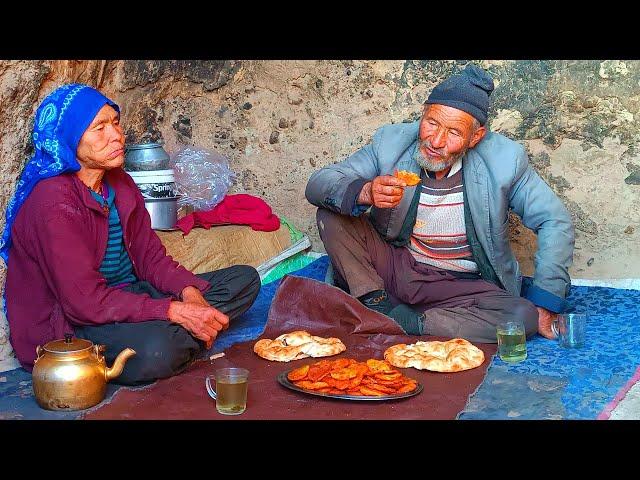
(82, 257)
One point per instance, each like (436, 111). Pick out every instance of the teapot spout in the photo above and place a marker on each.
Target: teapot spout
(118, 364)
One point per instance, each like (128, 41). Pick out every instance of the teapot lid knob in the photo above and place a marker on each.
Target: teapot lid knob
(67, 338)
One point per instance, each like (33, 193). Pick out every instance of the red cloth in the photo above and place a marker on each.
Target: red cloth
(240, 209)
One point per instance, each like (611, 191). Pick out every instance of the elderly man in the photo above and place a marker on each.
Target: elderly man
(82, 257)
(436, 257)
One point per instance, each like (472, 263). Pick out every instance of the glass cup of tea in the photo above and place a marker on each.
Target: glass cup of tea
(512, 342)
(230, 393)
(570, 328)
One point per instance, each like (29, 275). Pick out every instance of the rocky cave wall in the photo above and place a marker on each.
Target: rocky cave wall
(278, 121)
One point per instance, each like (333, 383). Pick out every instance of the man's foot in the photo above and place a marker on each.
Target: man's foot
(378, 300)
(410, 321)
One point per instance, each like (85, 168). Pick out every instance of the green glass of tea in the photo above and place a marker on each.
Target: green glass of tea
(512, 343)
(230, 393)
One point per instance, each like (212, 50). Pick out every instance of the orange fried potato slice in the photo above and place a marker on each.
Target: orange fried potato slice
(371, 392)
(382, 388)
(316, 372)
(409, 387)
(391, 384)
(342, 384)
(308, 385)
(409, 177)
(377, 366)
(344, 373)
(299, 373)
(329, 380)
(356, 381)
(340, 363)
(361, 368)
(388, 376)
(406, 380)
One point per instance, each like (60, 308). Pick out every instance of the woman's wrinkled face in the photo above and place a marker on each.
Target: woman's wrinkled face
(102, 144)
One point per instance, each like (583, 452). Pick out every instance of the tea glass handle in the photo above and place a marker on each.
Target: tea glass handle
(210, 390)
(554, 328)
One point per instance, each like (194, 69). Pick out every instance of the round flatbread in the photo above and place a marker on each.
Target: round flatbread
(451, 356)
(296, 345)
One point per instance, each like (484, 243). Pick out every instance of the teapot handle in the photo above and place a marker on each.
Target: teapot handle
(39, 353)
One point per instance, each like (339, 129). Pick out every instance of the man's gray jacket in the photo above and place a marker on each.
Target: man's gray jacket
(497, 178)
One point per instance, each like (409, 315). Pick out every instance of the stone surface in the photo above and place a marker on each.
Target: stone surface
(278, 121)
(6, 352)
(629, 406)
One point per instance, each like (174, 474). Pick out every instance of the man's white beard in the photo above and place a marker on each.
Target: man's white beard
(431, 166)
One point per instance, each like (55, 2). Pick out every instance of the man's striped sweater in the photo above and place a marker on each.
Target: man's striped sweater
(439, 236)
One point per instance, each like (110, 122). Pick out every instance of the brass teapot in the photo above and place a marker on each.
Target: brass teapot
(72, 374)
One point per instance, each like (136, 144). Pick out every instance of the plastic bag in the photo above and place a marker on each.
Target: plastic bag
(202, 177)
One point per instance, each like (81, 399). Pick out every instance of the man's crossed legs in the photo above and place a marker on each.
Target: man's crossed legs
(453, 307)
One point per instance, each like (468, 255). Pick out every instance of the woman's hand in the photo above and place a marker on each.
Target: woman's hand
(202, 321)
(192, 295)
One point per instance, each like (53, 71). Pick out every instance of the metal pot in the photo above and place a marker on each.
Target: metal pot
(160, 196)
(145, 156)
(72, 374)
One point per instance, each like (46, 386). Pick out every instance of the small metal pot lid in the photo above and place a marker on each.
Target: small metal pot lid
(142, 146)
(69, 344)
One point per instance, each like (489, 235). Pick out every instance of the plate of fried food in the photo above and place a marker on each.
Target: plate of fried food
(348, 379)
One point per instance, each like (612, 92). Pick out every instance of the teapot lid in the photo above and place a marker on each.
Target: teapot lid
(69, 344)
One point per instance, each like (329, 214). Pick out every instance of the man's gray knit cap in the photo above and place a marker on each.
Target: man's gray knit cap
(468, 91)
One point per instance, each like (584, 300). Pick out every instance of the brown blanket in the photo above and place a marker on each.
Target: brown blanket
(303, 304)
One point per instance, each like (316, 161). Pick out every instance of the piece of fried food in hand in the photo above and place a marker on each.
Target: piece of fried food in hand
(411, 178)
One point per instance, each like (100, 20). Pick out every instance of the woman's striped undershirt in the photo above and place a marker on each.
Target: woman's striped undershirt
(116, 265)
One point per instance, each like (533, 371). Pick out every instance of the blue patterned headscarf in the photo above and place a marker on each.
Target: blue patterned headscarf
(60, 122)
